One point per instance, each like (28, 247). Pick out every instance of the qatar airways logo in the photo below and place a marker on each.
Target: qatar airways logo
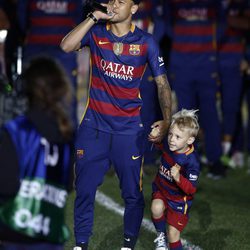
(117, 70)
(57, 7)
(166, 173)
(194, 14)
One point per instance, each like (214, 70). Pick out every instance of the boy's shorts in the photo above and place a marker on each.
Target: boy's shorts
(173, 218)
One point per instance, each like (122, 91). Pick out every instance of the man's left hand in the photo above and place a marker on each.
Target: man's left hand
(162, 128)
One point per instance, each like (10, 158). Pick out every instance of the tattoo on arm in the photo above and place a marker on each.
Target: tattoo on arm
(164, 96)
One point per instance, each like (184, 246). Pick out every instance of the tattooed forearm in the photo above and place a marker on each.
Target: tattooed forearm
(164, 96)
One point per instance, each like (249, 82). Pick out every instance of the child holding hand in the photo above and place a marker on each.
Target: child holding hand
(175, 183)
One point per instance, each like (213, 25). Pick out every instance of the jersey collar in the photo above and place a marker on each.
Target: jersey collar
(132, 28)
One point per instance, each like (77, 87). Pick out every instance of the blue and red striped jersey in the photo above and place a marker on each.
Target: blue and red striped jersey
(179, 195)
(231, 45)
(47, 21)
(193, 26)
(114, 101)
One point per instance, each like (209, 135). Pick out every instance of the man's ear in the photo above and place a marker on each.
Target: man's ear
(190, 140)
(134, 8)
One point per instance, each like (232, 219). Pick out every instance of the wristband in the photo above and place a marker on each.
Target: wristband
(91, 16)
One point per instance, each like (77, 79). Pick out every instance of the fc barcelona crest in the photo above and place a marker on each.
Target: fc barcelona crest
(134, 49)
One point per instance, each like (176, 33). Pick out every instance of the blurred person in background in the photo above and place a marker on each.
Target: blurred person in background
(111, 131)
(241, 140)
(44, 24)
(36, 155)
(230, 56)
(194, 27)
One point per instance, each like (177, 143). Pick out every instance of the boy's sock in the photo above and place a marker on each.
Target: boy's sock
(160, 224)
(176, 245)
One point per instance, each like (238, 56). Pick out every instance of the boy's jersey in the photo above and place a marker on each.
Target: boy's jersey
(178, 195)
(114, 98)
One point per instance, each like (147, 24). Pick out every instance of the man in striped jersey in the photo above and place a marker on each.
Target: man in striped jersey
(44, 24)
(230, 55)
(111, 131)
(195, 28)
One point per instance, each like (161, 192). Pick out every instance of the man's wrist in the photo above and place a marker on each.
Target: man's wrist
(91, 16)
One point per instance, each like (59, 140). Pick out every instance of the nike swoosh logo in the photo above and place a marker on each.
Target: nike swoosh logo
(180, 224)
(127, 239)
(102, 42)
(135, 157)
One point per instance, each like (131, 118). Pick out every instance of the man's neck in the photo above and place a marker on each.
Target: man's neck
(120, 29)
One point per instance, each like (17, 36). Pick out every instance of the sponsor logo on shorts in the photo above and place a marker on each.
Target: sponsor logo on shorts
(135, 157)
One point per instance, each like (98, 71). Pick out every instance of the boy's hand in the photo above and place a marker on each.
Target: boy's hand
(159, 130)
(175, 172)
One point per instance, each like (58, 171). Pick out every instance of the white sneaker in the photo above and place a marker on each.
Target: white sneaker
(238, 159)
(77, 248)
(160, 241)
(125, 248)
(226, 147)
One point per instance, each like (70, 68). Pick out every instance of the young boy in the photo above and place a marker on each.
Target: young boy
(175, 183)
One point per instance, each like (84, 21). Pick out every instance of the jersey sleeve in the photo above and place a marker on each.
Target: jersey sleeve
(155, 59)
(86, 39)
(188, 179)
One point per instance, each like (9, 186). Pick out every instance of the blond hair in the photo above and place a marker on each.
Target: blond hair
(188, 120)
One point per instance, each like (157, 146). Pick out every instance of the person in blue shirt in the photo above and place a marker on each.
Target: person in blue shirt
(111, 130)
(36, 155)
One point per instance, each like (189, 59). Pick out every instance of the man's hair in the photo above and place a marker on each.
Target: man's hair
(188, 120)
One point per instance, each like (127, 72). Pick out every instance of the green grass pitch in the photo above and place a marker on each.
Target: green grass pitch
(219, 218)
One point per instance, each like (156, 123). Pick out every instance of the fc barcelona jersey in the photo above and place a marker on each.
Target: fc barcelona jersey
(179, 195)
(118, 64)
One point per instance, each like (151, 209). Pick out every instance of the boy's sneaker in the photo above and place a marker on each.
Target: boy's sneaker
(81, 246)
(160, 241)
(125, 248)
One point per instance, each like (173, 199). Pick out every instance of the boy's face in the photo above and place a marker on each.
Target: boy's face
(122, 9)
(179, 140)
